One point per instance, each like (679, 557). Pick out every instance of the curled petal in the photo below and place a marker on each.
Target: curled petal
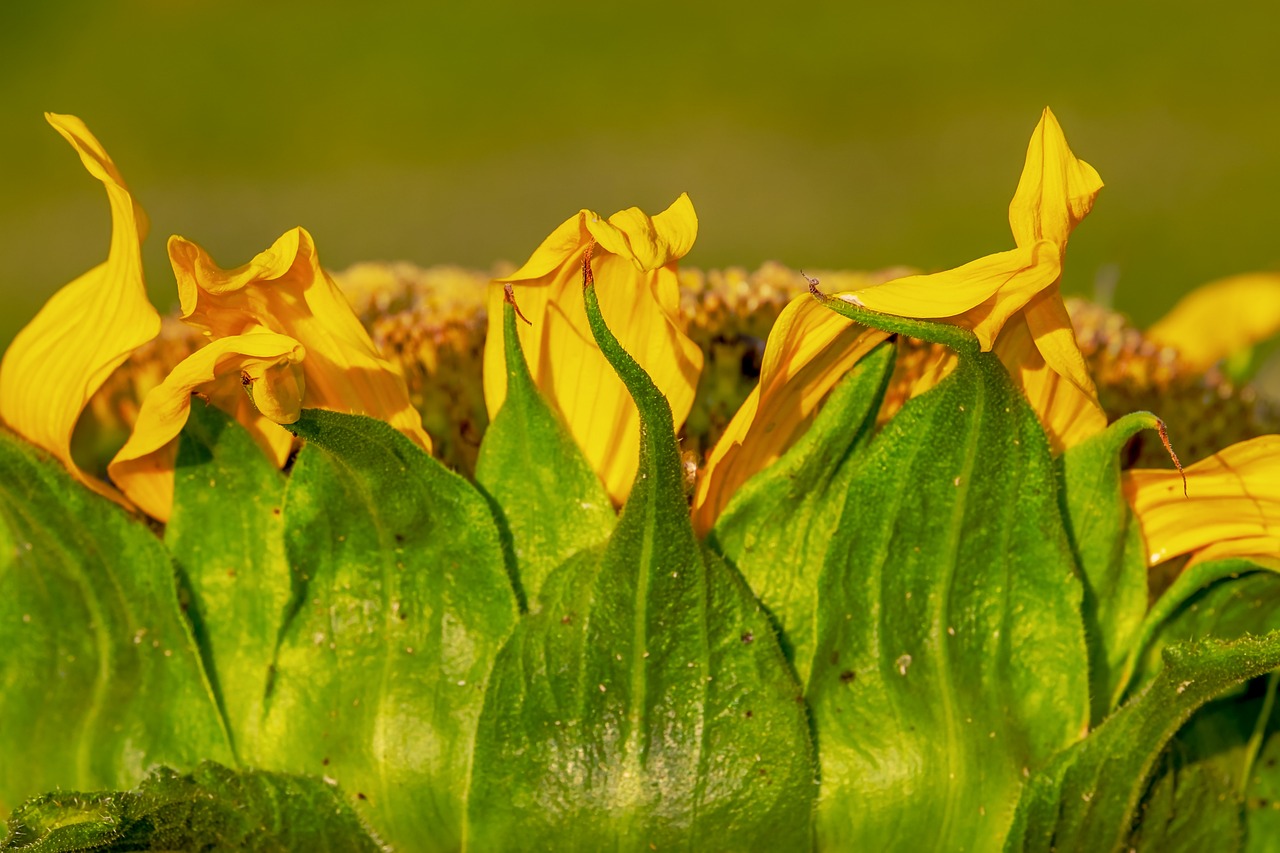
(1050, 325)
(980, 296)
(143, 469)
(1068, 414)
(1231, 507)
(809, 350)
(285, 290)
(1221, 318)
(634, 265)
(86, 330)
(648, 242)
(1056, 189)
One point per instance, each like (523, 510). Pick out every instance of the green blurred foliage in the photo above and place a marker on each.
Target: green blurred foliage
(820, 134)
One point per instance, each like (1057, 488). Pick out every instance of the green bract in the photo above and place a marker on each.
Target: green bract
(927, 636)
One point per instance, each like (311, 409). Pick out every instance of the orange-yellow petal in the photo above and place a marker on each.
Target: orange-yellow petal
(86, 330)
(634, 266)
(809, 350)
(143, 469)
(1056, 189)
(980, 296)
(1068, 415)
(1220, 318)
(285, 290)
(1231, 507)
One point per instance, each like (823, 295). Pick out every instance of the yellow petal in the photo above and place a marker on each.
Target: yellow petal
(1231, 507)
(649, 242)
(809, 350)
(1220, 318)
(143, 469)
(634, 266)
(285, 290)
(1067, 414)
(1055, 337)
(1056, 189)
(86, 330)
(980, 296)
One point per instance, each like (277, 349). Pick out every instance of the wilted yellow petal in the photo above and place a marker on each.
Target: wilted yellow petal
(1220, 318)
(1056, 189)
(809, 350)
(86, 330)
(1068, 415)
(285, 290)
(1231, 507)
(143, 469)
(634, 266)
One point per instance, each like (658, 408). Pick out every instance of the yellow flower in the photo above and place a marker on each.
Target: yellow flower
(634, 265)
(810, 348)
(86, 330)
(263, 318)
(1011, 300)
(1230, 507)
(1245, 309)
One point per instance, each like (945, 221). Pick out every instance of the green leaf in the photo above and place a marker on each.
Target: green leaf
(1190, 807)
(403, 601)
(212, 808)
(1262, 792)
(1086, 799)
(1223, 599)
(553, 503)
(1112, 555)
(1194, 801)
(777, 528)
(950, 659)
(227, 536)
(646, 703)
(99, 674)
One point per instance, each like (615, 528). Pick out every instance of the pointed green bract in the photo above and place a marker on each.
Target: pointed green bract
(950, 658)
(553, 503)
(777, 528)
(227, 536)
(99, 676)
(212, 808)
(646, 702)
(1108, 545)
(1087, 798)
(403, 601)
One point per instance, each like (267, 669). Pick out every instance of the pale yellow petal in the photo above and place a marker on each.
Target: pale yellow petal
(640, 300)
(1231, 506)
(285, 290)
(809, 350)
(86, 330)
(143, 469)
(1056, 189)
(980, 296)
(1068, 415)
(1220, 318)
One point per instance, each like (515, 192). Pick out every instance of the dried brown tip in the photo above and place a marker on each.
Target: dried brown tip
(1164, 437)
(587, 278)
(813, 287)
(509, 295)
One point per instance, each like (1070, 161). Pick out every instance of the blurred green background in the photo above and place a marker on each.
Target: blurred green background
(849, 134)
